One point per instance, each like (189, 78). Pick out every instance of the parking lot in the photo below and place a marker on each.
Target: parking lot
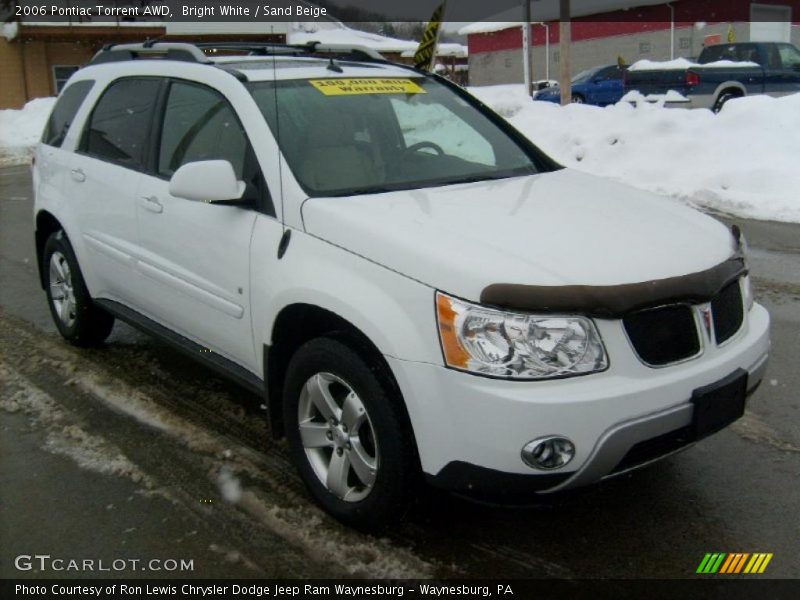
(133, 451)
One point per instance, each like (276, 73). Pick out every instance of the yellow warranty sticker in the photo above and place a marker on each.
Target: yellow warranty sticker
(349, 87)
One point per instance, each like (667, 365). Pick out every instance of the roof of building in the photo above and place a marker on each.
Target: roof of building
(338, 33)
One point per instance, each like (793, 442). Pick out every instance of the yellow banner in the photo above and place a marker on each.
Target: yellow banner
(349, 87)
(424, 56)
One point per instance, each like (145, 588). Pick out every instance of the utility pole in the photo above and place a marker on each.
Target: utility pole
(526, 46)
(564, 41)
(546, 49)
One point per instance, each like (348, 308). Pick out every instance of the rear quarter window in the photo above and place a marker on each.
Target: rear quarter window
(64, 112)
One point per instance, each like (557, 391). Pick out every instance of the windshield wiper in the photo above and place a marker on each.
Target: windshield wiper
(364, 190)
(475, 178)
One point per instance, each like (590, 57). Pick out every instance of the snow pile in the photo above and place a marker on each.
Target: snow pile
(729, 64)
(680, 64)
(10, 30)
(20, 130)
(635, 97)
(662, 65)
(302, 33)
(487, 27)
(741, 161)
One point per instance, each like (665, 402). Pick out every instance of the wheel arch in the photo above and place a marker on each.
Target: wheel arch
(299, 323)
(729, 86)
(46, 224)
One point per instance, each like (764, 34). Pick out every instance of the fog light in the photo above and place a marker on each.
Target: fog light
(548, 453)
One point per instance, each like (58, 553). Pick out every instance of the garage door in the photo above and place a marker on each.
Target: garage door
(770, 23)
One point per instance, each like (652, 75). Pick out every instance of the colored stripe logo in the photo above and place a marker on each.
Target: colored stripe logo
(734, 563)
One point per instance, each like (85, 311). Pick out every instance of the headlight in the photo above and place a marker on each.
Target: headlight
(517, 345)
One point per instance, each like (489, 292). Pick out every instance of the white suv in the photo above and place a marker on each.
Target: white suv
(412, 286)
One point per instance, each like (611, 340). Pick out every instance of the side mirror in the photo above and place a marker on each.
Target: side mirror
(207, 181)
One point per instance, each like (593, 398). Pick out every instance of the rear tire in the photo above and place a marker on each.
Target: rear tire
(723, 98)
(78, 319)
(348, 435)
(578, 99)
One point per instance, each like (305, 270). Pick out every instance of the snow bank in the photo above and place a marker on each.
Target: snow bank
(680, 64)
(635, 97)
(741, 161)
(21, 129)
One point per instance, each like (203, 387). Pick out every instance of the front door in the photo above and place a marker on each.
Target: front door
(195, 257)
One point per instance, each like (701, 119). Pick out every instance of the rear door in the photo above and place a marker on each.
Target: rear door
(195, 259)
(103, 177)
(51, 161)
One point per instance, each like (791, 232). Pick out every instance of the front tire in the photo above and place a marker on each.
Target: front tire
(578, 99)
(348, 434)
(78, 319)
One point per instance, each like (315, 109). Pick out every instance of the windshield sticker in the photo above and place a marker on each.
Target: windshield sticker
(349, 87)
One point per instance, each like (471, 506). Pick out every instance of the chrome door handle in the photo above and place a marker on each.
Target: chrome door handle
(78, 175)
(151, 203)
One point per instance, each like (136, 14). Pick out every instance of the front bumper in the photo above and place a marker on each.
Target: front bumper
(470, 429)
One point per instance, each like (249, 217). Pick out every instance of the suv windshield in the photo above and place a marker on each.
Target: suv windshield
(357, 136)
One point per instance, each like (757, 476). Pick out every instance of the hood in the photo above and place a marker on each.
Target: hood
(553, 229)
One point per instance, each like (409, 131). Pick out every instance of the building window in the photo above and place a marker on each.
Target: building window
(508, 63)
(644, 47)
(60, 75)
(685, 43)
(556, 56)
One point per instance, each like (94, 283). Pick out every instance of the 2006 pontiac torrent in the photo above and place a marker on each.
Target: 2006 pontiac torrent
(413, 287)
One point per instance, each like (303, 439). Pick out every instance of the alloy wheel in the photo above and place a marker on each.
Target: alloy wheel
(338, 437)
(62, 292)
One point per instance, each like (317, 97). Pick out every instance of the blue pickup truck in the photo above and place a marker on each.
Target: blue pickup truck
(722, 72)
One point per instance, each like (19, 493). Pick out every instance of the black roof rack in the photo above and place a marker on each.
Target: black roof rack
(196, 52)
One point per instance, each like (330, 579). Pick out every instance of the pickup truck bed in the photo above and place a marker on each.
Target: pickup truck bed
(722, 72)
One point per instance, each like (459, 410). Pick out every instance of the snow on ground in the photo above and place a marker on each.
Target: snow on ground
(743, 160)
(20, 130)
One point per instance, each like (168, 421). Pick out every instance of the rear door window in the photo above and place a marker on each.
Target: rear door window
(119, 126)
(64, 112)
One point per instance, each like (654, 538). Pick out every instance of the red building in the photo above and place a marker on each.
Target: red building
(656, 32)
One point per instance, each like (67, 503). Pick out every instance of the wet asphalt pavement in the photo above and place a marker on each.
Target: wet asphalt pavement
(132, 451)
